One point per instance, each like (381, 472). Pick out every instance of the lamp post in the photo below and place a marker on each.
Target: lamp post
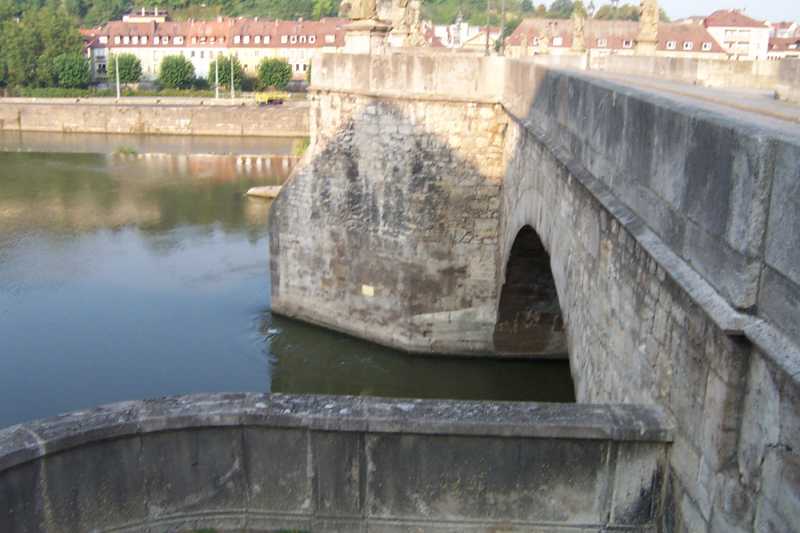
(233, 91)
(216, 72)
(116, 71)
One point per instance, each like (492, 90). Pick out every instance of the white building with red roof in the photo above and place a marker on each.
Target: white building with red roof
(607, 37)
(150, 37)
(741, 36)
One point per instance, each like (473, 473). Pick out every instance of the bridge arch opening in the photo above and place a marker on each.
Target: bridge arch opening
(529, 319)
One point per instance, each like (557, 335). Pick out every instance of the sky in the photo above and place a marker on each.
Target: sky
(772, 10)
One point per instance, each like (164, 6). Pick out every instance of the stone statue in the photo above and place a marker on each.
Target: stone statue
(648, 20)
(578, 31)
(359, 9)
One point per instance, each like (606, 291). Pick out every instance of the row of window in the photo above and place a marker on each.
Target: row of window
(237, 39)
(627, 43)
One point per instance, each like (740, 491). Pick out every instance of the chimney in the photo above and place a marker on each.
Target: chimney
(156, 11)
(143, 11)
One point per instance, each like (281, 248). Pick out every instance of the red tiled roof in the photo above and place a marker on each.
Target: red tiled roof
(223, 30)
(733, 18)
(615, 33)
(778, 44)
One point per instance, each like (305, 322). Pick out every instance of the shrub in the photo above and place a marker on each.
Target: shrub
(72, 71)
(274, 73)
(130, 68)
(176, 72)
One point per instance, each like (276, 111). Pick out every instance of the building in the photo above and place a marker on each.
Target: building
(151, 37)
(785, 30)
(781, 48)
(607, 37)
(741, 36)
(461, 34)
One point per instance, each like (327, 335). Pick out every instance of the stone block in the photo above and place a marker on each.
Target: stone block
(637, 485)
(338, 473)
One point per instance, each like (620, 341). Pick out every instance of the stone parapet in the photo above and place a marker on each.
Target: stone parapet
(253, 462)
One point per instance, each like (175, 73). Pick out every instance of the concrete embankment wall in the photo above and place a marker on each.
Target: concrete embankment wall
(170, 118)
(272, 462)
(788, 86)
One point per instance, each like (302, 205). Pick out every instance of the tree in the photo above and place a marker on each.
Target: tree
(225, 72)
(325, 8)
(274, 73)
(72, 71)
(176, 72)
(526, 6)
(130, 68)
(561, 9)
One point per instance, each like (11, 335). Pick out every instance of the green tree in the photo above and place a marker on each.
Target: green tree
(274, 73)
(225, 72)
(176, 72)
(324, 8)
(526, 6)
(72, 71)
(561, 9)
(130, 68)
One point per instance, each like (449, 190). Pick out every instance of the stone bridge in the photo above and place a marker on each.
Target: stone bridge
(484, 206)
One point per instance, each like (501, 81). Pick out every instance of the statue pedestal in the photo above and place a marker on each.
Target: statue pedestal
(646, 48)
(365, 37)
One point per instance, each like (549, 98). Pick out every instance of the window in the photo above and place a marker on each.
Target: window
(246, 39)
(237, 39)
(165, 40)
(176, 40)
(305, 67)
(202, 54)
(156, 40)
(535, 42)
(284, 39)
(302, 38)
(144, 39)
(671, 45)
(192, 53)
(688, 45)
(558, 41)
(194, 40)
(330, 39)
(212, 39)
(257, 39)
(312, 39)
(297, 67)
(135, 39)
(103, 39)
(706, 47)
(126, 40)
(293, 39)
(266, 39)
(602, 43)
(117, 39)
(627, 43)
(202, 39)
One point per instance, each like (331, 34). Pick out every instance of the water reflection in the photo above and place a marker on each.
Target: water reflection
(127, 278)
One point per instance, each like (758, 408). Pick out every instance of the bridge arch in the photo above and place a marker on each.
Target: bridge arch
(530, 321)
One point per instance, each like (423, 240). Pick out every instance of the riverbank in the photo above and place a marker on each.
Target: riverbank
(154, 116)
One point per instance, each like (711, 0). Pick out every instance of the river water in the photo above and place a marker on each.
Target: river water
(129, 276)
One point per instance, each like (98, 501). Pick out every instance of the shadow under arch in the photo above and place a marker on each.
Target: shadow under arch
(529, 319)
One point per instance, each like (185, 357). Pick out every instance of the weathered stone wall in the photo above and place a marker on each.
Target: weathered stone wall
(255, 463)
(788, 86)
(707, 72)
(389, 228)
(287, 120)
(642, 325)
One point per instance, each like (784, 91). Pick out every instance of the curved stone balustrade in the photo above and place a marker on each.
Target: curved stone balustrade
(253, 462)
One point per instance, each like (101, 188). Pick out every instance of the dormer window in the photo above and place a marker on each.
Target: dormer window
(143, 39)
(135, 39)
(688, 45)
(246, 39)
(266, 39)
(330, 39)
(293, 39)
(165, 40)
(237, 39)
(117, 39)
(671, 45)
(558, 41)
(212, 39)
(257, 39)
(602, 43)
(126, 40)
(284, 39)
(627, 43)
(202, 39)
(103, 39)
(706, 47)
(302, 38)
(536, 41)
(312, 39)
(194, 40)
(156, 40)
